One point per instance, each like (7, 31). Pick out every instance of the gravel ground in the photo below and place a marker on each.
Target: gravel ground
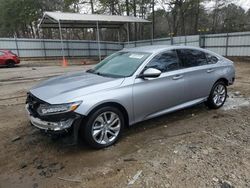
(195, 147)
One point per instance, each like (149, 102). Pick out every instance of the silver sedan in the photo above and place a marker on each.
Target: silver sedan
(127, 87)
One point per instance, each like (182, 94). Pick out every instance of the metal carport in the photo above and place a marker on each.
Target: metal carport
(76, 20)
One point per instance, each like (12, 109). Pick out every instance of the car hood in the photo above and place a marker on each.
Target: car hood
(62, 89)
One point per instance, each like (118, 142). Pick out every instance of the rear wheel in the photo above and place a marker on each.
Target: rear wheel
(104, 127)
(10, 64)
(217, 95)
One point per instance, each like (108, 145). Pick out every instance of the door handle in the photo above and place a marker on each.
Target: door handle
(177, 77)
(210, 70)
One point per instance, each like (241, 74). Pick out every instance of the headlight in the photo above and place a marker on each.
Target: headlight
(46, 109)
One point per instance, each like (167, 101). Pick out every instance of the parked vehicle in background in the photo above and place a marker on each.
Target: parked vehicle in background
(127, 87)
(8, 58)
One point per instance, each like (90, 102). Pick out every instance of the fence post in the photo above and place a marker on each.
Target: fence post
(227, 44)
(89, 48)
(67, 43)
(44, 49)
(106, 49)
(17, 46)
(202, 39)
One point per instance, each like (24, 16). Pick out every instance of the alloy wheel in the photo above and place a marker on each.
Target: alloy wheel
(219, 95)
(106, 127)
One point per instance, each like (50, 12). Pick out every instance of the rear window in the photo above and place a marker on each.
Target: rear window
(191, 58)
(211, 59)
(11, 52)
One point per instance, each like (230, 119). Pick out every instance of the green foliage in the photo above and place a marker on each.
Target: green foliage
(21, 17)
(233, 18)
(17, 16)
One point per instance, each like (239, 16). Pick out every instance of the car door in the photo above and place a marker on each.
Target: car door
(1, 58)
(199, 74)
(151, 97)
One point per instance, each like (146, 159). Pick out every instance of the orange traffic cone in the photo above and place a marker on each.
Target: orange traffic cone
(64, 62)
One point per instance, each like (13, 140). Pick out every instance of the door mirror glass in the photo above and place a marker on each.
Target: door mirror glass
(150, 73)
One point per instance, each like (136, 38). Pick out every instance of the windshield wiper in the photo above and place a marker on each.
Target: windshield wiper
(103, 74)
(90, 70)
(94, 72)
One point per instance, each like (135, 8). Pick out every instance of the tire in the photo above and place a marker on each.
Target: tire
(217, 95)
(103, 121)
(10, 64)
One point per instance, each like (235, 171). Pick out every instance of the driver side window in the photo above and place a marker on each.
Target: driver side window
(166, 61)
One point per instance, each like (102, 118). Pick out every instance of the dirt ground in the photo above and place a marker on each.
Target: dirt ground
(195, 147)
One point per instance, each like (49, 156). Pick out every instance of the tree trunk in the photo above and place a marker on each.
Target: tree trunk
(112, 7)
(153, 19)
(197, 17)
(175, 22)
(135, 25)
(127, 7)
(92, 6)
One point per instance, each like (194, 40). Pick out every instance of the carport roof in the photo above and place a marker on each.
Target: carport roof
(77, 20)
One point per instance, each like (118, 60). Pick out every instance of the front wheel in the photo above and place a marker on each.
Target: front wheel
(217, 95)
(104, 127)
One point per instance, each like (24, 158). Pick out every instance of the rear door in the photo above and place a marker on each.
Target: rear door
(155, 95)
(199, 73)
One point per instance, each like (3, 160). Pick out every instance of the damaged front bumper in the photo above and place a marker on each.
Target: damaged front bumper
(57, 124)
(50, 125)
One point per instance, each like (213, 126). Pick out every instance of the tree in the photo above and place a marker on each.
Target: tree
(232, 19)
(19, 18)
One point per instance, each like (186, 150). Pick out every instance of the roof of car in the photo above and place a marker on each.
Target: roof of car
(4, 51)
(154, 49)
(157, 48)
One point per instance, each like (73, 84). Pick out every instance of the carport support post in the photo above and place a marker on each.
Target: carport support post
(127, 32)
(16, 45)
(60, 31)
(98, 39)
(44, 48)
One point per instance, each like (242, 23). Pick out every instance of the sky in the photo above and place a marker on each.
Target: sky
(243, 3)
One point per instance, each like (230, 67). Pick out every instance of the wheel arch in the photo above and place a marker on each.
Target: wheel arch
(113, 104)
(223, 80)
(9, 60)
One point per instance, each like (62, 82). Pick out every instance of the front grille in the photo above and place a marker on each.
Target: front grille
(33, 104)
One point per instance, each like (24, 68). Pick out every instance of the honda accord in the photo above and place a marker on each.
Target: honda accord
(127, 87)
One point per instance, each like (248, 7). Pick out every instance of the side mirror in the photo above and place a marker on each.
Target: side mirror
(150, 73)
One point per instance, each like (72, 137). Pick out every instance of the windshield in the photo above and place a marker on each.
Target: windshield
(121, 64)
